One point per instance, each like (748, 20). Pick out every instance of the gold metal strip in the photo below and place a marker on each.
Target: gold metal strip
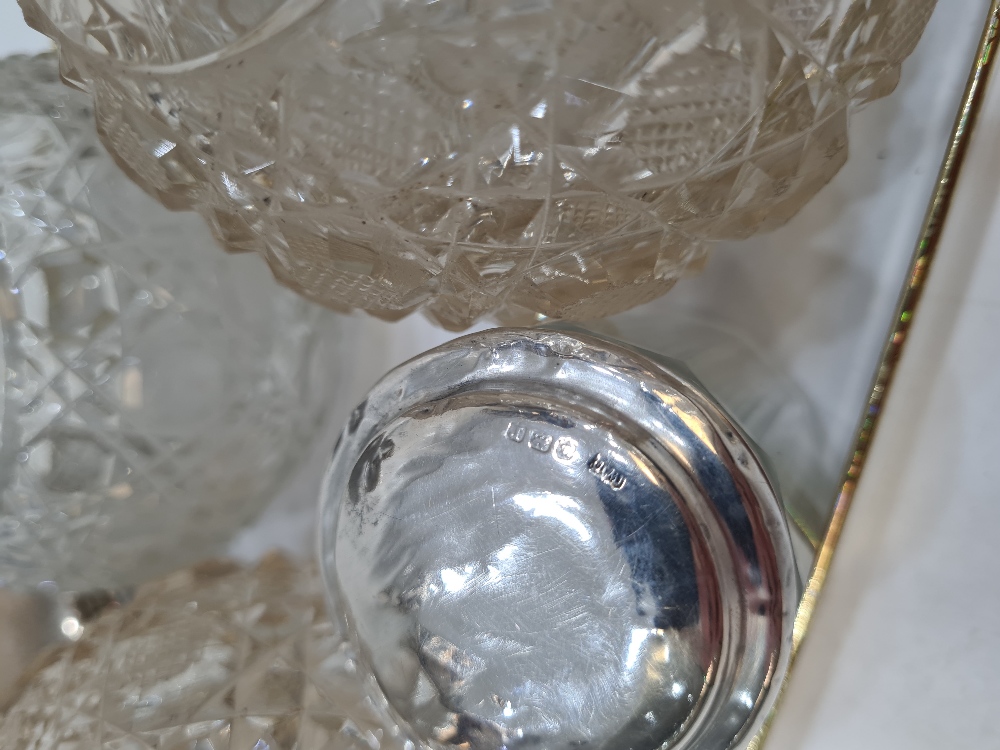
(920, 266)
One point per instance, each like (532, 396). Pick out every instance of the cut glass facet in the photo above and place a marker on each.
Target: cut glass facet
(565, 159)
(214, 657)
(156, 391)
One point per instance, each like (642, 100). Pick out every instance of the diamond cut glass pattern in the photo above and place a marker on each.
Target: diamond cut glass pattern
(156, 392)
(215, 657)
(566, 159)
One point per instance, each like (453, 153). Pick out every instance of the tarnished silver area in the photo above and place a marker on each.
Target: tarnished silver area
(542, 539)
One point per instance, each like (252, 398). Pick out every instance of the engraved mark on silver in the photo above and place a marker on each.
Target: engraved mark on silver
(539, 441)
(565, 450)
(601, 468)
(515, 433)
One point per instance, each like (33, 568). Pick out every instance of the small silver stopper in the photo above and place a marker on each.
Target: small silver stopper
(541, 539)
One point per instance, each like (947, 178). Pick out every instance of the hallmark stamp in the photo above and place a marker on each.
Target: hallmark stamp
(565, 450)
(540, 441)
(515, 433)
(601, 468)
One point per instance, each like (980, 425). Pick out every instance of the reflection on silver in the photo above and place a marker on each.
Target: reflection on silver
(543, 539)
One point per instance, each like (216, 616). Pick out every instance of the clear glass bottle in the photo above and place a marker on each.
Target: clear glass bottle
(156, 392)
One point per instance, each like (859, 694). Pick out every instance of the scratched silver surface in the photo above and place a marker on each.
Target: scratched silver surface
(542, 539)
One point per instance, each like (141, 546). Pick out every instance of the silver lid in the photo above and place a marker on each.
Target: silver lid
(540, 538)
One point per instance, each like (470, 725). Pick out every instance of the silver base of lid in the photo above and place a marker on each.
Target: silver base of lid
(543, 539)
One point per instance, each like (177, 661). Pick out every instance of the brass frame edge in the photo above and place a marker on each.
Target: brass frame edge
(906, 308)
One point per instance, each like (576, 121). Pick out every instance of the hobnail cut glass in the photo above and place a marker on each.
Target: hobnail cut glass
(156, 391)
(568, 159)
(213, 657)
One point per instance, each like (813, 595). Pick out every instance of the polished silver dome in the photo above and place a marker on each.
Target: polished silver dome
(540, 539)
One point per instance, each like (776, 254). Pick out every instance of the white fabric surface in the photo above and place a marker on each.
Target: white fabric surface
(904, 652)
